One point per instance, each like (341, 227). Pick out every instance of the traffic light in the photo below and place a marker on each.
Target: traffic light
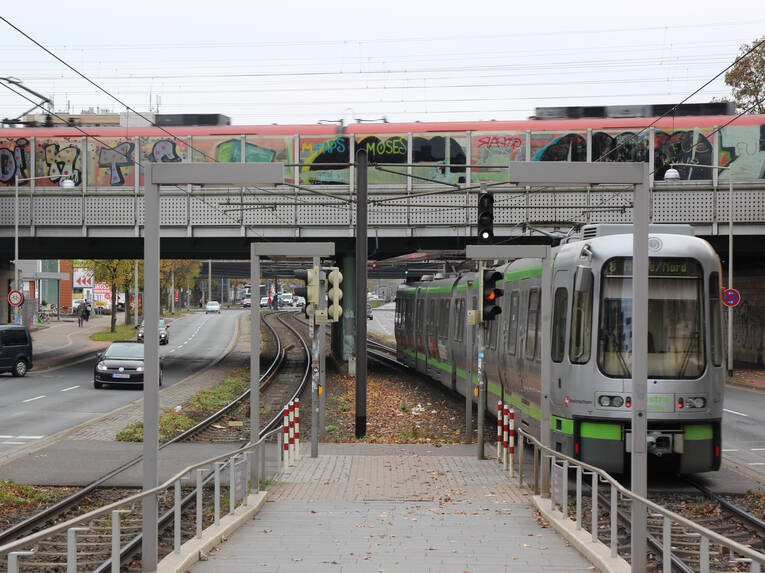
(334, 294)
(311, 291)
(485, 217)
(490, 294)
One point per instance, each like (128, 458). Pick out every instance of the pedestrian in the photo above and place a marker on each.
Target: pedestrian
(80, 313)
(86, 312)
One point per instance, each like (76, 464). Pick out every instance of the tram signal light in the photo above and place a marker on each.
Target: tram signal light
(334, 294)
(485, 217)
(311, 291)
(490, 294)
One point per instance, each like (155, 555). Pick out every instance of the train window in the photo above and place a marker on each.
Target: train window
(443, 318)
(675, 319)
(532, 323)
(418, 318)
(715, 318)
(580, 339)
(560, 306)
(512, 338)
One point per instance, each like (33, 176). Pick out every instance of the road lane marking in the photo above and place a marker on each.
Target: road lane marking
(29, 437)
(70, 388)
(734, 412)
(13, 443)
(758, 449)
(756, 464)
(5, 437)
(33, 399)
(730, 450)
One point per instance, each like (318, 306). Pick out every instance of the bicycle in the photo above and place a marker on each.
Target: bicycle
(43, 317)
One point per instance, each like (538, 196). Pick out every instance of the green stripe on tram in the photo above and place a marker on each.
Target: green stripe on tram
(699, 432)
(600, 431)
(566, 425)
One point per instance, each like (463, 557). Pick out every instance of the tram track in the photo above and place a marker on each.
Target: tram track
(95, 549)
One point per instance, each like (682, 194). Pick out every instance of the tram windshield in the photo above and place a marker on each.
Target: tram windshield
(675, 319)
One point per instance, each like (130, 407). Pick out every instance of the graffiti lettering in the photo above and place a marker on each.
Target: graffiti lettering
(114, 159)
(62, 162)
(337, 145)
(505, 144)
(13, 161)
(163, 151)
(393, 146)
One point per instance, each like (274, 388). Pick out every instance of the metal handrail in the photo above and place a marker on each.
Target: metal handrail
(756, 557)
(42, 534)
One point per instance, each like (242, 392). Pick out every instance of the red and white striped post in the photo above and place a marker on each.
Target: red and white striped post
(505, 435)
(512, 442)
(292, 432)
(499, 432)
(297, 428)
(286, 449)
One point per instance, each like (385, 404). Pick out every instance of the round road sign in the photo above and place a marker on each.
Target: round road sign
(731, 297)
(15, 297)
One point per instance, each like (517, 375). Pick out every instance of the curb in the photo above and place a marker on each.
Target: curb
(597, 553)
(61, 434)
(193, 550)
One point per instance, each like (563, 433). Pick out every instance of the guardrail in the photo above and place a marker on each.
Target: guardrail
(237, 464)
(557, 491)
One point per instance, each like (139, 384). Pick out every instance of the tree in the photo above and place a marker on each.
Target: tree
(117, 273)
(747, 77)
(186, 271)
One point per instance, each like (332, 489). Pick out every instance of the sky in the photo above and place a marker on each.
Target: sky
(296, 62)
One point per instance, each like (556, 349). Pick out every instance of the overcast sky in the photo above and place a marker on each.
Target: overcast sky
(301, 62)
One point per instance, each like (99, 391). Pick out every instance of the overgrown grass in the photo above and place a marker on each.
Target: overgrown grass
(14, 495)
(201, 405)
(122, 332)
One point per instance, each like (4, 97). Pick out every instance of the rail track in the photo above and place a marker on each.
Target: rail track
(94, 552)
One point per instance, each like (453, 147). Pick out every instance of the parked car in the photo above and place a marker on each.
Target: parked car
(121, 363)
(369, 311)
(246, 303)
(264, 302)
(164, 336)
(285, 299)
(298, 301)
(15, 349)
(212, 306)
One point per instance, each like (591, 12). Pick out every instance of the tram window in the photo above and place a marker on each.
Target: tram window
(715, 318)
(459, 307)
(512, 339)
(579, 344)
(492, 343)
(431, 317)
(443, 318)
(532, 323)
(558, 346)
(418, 318)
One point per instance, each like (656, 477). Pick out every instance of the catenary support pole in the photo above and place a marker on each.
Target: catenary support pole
(545, 433)
(135, 293)
(315, 375)
(254, 356)
(151, 370)
(730, 270)
(322, 362)
(481, 381)
(172, 291)
(470, 339)
(639, 479)
(361, 293)
(209, 281)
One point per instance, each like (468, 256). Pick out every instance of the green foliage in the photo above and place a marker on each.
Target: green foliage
(747, 78)
(172, 424)
(404, 408)
(331, 429)
(214, 399)
(131, 433)
(14, 495)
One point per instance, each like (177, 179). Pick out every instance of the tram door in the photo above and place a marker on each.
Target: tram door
(419, 331)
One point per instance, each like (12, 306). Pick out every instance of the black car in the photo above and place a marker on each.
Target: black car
(15, 349)
(164, 336)
(121, 363)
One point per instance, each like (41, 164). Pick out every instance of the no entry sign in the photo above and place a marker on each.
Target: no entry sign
(731, 297)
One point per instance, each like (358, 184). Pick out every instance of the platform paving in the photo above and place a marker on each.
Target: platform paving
(370, 507)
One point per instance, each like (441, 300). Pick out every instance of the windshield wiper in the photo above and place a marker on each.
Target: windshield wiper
(693, 340)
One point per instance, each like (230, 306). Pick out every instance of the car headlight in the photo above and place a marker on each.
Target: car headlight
(102, 366)
(140, 333)
(139, 369)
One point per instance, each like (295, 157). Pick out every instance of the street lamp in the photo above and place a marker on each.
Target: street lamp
(63, 184)
(673, 174)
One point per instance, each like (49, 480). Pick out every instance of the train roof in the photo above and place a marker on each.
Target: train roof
(362, 129)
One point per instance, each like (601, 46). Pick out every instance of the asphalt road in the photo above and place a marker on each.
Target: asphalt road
(744, 428)
(382, 319)
(43, 403)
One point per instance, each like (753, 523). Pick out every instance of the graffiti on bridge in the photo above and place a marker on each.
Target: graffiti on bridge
(13, 161)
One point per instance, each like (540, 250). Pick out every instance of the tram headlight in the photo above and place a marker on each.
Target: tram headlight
(617, 401)
(604, 401)
(696, 402)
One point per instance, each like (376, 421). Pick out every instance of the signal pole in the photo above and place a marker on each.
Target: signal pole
(481, 380)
